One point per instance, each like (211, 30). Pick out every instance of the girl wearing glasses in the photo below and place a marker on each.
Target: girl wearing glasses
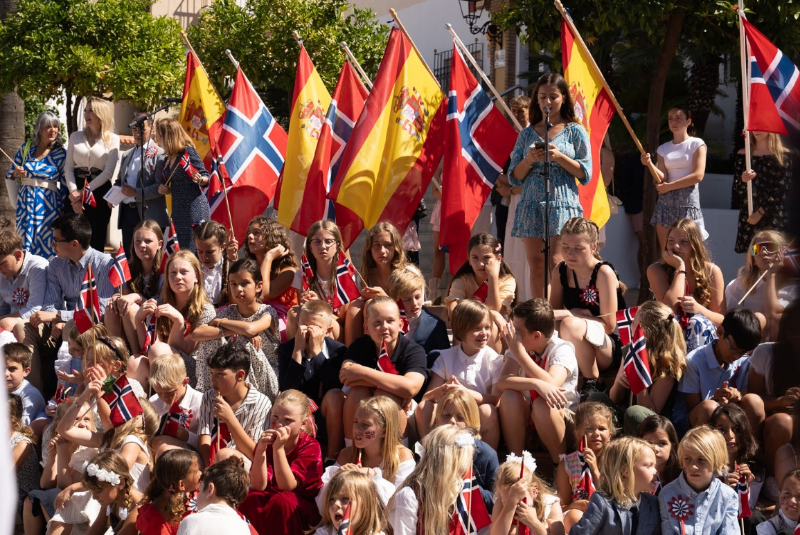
(770, 176)
(764, 253)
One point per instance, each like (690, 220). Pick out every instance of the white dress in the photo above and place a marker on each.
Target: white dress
(514, 255)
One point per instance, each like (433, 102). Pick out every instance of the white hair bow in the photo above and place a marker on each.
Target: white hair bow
(102, 474)
(527, 460)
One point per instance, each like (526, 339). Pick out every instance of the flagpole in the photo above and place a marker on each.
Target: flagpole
(568, 20)
(357, 65)
(191, 49)
(502, 103)
(220, 165)
(403, 29)
(10, 159)
(346, 254)
(91, 311)
(745, 60)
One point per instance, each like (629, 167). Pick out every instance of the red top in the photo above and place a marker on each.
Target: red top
(150, 522)
(305, 460)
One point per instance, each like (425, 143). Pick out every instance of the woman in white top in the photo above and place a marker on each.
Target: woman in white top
(92, 159)
(681, 167)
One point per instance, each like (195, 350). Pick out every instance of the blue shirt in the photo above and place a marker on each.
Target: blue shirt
(715, 510)
(64, 283)
(24, 293)
(704, 374)
(33, 404)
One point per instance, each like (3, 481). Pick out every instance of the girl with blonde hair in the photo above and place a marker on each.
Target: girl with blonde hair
(666, 352)
(624, 502)
(182, 308)
(355, 492)
(377, 449)
(184, 176)
(92, 156)
(524, 501)
(770, 177)
(427, 501)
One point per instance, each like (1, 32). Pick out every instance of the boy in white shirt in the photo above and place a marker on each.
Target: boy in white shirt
(177, 403)
(542, 364)
(223, 486)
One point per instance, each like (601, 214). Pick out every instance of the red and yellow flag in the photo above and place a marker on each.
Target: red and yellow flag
(202, 111)
(398, 140)
(594, 109)
(310, 103)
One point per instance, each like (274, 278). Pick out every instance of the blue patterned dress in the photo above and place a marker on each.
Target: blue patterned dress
(37, 207)
(573, 142)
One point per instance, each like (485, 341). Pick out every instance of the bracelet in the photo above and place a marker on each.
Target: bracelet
(680, 271)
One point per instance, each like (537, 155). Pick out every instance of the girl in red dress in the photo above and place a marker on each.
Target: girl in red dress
(171, 494)
(286, 474)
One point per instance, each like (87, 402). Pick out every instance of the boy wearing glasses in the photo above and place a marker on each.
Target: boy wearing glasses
(717, 372)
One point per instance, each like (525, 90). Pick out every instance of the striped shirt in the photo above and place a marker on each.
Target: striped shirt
(252, 414)
(64, 281)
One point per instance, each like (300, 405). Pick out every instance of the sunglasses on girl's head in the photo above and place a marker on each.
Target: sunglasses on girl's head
(766, 247)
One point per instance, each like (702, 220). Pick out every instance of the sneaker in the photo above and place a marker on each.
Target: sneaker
(591, 386)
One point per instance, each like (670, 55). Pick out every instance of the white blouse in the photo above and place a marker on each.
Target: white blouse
(100, 156)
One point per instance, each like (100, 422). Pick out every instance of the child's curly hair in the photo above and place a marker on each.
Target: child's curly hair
(111, 461)
(170, 468)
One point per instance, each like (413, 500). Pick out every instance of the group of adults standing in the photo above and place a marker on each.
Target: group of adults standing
(53, 180)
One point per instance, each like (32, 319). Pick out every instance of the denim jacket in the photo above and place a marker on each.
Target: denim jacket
(715, 510)
(604, 516)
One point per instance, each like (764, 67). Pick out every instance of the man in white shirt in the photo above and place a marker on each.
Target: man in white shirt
(130, 210)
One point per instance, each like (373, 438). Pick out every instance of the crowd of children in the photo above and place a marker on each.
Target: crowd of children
(269, 391)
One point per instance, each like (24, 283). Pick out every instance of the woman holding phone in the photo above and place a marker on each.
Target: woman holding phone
(570, 158)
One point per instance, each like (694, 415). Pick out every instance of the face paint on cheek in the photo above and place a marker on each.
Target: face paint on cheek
(369, 435)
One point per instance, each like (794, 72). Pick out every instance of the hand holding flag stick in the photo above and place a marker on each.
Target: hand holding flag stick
(593, 65)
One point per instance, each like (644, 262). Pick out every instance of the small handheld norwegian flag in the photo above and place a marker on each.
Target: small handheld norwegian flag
(308, 273)
(743, 490)
(385, 363)
(171, 246)
(122, 402)
(403, 318)
(149, 335)
(586, 486)
(224, 438)
(346, 288)
(119, 273)
(637, 364)
(186, 164)
(174, 419)
(88, 196)
(344, 527)
(89, 314)
(471, 514)
(624, 322)
(481, 293)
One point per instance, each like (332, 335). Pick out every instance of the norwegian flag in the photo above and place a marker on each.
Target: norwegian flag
(586, 485)
(119, 273)
(171, 246)
(344, 527)
(541, 361)
(637, 364)
(403, 316)
(62, 394)
(122, 402)
(791, 261)
(89, 314)
(385, 363)
(186, 164)
(478, 141)
(743, 490)
(347, 103)
(174, 419)
(346, 288)
(471, 514)
(308, 273)
(773, 71)
(224, 439)
(624, 322)
(150, 335)
(253, 148)
(482, 292)
(215, 181)
(88, 196)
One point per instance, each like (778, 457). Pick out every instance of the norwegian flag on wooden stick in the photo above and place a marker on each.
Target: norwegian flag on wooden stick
(344, 527)
(218, 443)
(119, 273)
(384, 362)
(122, 402)
(171, 246)
(586, 486)
(471, 514)
(308, 273)
(89, 314)
(346, 288)
(624, 322)
(637, 364)
(174, 419)
(743, 490)
(88, 196)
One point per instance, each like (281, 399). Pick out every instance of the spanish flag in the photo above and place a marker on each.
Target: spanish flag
(310, 103)
(594, 110)
(202, 110)
(397, 143)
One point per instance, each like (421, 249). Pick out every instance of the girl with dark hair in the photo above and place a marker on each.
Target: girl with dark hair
(681, 167)
(570, 157)
(212, 246)
(660, 433)
(742, 446)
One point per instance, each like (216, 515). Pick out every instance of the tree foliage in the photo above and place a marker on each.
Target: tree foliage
(75, 48)
(261, 41)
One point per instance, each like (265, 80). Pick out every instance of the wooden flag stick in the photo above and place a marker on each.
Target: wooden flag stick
(753, 287)
(500, 102)
(10, 159)
(357, 65)
(403, 29)
(91, 311)
(191, 49)
(745, 62)
(219, 426)
(599, 74)
(345, 253)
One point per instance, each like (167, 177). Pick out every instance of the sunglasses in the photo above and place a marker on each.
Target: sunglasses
(766, 247)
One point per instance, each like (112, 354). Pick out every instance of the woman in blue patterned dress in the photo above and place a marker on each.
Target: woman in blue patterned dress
(570, 157)
(39, 167)
(184, 177)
